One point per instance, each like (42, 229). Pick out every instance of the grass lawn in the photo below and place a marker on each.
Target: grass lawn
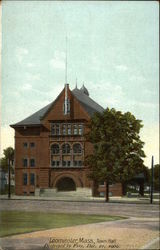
(16, 222)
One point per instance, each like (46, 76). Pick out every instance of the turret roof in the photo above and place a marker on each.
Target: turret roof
(84, 90)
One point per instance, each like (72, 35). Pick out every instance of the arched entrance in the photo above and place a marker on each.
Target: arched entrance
(66, 184)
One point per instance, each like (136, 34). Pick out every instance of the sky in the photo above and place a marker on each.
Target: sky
(113, 48)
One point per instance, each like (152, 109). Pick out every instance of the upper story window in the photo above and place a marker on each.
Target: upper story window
(25, 144)
(55, 129)
(69, 129)
(32, 144)
(66, 149)
(80, 129)
(25, 162)
(32, 162)
(66, 163)
(75, 129)
(55, 163)
(77, 149)
(64, 129)
(55, 149)
(66, 107)
(77, 163)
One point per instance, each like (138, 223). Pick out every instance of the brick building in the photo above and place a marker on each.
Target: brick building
(50, 146)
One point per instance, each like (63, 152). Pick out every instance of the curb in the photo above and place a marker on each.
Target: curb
(85, 201)
(151, 243)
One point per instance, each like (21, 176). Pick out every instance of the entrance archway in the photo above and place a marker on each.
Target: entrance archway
(66, 184)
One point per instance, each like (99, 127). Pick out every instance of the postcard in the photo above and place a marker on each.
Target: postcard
(79, 166)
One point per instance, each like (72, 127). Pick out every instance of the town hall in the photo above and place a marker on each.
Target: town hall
(50, 147)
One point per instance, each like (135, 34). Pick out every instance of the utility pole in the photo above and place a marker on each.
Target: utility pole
(152, 180)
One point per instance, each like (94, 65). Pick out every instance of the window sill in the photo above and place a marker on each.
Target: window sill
(66, 135)
(60, 167)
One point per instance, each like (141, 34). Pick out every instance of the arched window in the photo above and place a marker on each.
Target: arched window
(77, 149)
(66, 149)
(55, 149)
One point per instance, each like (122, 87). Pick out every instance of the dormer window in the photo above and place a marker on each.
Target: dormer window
(66, 107)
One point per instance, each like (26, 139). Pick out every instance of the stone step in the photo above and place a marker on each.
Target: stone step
(79, 193)
(64, 195)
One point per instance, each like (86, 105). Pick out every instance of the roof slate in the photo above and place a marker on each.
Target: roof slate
(87, 103)
(34, 119)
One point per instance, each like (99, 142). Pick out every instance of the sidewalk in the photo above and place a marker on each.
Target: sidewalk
(153, 244)
(120, 234)
(136, 200)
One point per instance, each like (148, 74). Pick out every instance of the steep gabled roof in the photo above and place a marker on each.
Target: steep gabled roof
(33, 119)
(86, 102)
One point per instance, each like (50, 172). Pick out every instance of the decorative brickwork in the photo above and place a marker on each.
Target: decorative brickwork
(40, 142)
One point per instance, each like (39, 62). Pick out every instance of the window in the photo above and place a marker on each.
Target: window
(69, 129)
(80, 129)
(64, 129)
(55, 149)
(66, 149)
(75, 163)
(66, 107)
(64, 163)
(32, 179)
(80, 163)
(32, 144)
(25, 162)
(68, 163)
(55, 129)
(55, 163)
(25, 179)
(75, 129)
(77, 149)
(25, 144)
(32, 162)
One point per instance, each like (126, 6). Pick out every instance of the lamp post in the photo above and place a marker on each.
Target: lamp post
(10, 162)
(152, 180)
(9, 179)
